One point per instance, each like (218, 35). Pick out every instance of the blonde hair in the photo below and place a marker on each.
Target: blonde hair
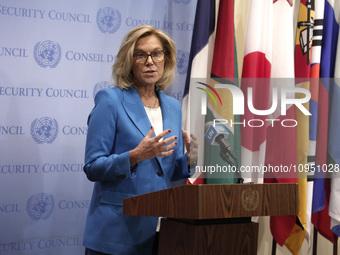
(122, 68)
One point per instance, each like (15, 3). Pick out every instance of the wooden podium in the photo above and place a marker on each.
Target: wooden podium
(213, 219)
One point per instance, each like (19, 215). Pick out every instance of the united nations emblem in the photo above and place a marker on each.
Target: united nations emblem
(40, 206)
(108, 20)
(101, 85)
(250, 199)
(44, 130)
(47, 53)
(182, 61)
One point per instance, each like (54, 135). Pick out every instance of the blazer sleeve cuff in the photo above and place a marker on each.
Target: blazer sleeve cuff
(181, 170)
(114, 167)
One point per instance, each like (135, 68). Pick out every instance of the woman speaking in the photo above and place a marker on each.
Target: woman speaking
(134, 143)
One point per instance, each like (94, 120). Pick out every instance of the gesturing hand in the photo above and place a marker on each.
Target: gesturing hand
(151, 147)
(191, 147)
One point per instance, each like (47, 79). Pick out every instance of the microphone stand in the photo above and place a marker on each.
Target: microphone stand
(225, 149)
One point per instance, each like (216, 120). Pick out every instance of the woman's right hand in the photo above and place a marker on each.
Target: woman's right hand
(151, 147)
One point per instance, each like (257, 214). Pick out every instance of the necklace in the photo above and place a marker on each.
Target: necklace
(154, 104)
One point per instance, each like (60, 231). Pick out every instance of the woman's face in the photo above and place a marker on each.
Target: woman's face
(149, 72)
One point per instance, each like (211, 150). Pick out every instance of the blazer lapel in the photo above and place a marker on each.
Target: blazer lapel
(135, 110)
(167, 114)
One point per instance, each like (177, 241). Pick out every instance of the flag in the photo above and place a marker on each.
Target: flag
(199, 67)
(334, 147)
(281, 140)
(264, 59)
(302, 61)
(256, 64)
(321, 189)
(241, 13)
(334, 153)
(313, 108)
(224, 69)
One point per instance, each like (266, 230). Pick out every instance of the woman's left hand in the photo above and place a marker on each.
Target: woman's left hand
(191, 146)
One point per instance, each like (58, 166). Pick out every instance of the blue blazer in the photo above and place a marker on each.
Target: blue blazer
(116, 125)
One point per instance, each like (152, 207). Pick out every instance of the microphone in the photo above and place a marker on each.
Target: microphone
(217, 134)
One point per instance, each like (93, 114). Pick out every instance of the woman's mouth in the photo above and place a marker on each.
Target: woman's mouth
(149, 72)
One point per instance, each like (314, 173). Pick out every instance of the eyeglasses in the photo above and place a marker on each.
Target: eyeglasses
(156, 56)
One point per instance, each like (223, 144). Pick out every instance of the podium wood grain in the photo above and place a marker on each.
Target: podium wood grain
(216, 201)
(213, 219)
(207, 239)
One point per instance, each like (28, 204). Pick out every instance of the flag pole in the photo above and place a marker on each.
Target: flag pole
(315, 241)
(335, 248)
(274, 247)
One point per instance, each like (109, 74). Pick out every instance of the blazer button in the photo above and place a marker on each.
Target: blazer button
(160, 173)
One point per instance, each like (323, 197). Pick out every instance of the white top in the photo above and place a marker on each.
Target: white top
(155, 117)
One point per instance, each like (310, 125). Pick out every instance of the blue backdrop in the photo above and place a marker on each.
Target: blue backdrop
(54, 57)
